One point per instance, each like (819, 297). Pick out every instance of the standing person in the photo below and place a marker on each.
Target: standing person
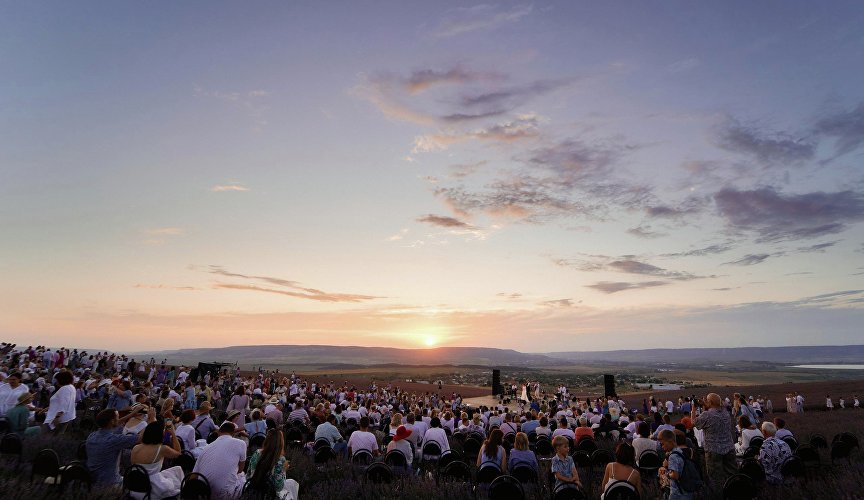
(673, 467)
(10, 391)
(719, 443)
(61, 408)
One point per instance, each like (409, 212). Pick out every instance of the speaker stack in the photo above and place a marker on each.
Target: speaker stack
(609, 382)
(496, 383)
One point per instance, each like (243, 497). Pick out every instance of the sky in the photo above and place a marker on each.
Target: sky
(547, 176)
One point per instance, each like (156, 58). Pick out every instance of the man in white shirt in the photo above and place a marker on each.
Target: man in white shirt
(437, 435)
(420, 428)
(9, 392)
(222, 464)
(362, 439)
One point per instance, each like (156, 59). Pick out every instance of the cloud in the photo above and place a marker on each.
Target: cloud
(511, 296)
(748, 260)
(295, 289)
(477, 18)
(422, 80)
(520, 198)
(819, 248)
(690, 206)
(166, 231)
(636, 267)
(645, 232)
(558, 303)
(166, 287)
(462, 170)
(609, 287)
(319, 296)
(846, 127)
(768, 147)
(524, 127)
(443, 221)
(775, 217)
(701, 252)
(625, 264)
(222, 188)
(512, 97)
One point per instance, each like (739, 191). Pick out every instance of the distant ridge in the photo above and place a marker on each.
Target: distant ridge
(489, 356)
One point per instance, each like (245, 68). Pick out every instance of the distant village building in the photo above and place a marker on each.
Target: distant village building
(660, 387)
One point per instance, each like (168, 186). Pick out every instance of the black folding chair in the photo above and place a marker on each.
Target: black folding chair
(362, 458)
(506, 488)
(137, 480)
(739, 487)
(378, 473)
(195, 487)
(756, 442)
(456, 471)
(46, 464)
(75, 477)
(793, 467)
(488, 473)
(568, 491)
(840, 450)
(185, 461)
(621, 490)
(752, 469)
(11, 449)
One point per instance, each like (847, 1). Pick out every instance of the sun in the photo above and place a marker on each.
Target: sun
(430, 340)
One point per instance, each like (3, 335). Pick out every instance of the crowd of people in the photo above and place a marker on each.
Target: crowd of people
(147, 412)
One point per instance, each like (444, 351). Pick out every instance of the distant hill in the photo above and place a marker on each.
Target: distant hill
(486, 356)
(346, 356)
(786, 355)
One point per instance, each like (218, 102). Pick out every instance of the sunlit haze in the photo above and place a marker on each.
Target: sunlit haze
(543, 177)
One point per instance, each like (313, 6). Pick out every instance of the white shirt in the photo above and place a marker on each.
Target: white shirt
(62, 400)
(218, 463)
(186, 433)
(361, 440)
(9, 396)
(437, 435)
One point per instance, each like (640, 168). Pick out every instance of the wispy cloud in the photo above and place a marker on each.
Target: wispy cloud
(479, 18)
(222, 188)
(625, 264)
(295, 290)
(558, 303)
(511, 296)
(610, 287)
(818, 248)
(749, 260)
(767, 147)
(167, 287)
(645, 232)
(847, 127)
(701, 252)
(443, 221)
(524, 127)
(774, 216)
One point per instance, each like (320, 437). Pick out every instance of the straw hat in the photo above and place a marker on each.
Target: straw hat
(25, 396)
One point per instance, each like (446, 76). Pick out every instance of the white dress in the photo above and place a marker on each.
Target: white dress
(163, 483)
(524, 394)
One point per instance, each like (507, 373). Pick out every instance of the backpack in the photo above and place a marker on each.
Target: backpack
(690, 479)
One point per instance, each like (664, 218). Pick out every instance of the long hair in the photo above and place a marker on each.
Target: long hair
(270, 452)
(492, 444)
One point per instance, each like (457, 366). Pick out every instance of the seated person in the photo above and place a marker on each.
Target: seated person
(773, 453)
(748, 432)
(642, 442)
(150, 453)
(267, 468)
(521, 455)
(362, 439)
(782, 431)
(104, 445)
(564, 430)
(563, 467)
(583, 431)
(623, 468)
(437, 435)
(400, 443)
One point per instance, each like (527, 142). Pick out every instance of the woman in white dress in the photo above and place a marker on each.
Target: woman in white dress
(828, 403)
(150, 454)
(524, 396)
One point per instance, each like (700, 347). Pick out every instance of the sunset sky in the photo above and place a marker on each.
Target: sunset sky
(543, 177)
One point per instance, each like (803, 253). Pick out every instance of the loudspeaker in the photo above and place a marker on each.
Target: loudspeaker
(609, 382)
(496, 383)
